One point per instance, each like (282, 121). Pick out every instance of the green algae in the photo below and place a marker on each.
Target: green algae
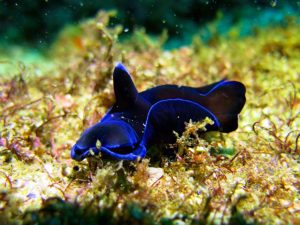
(248, 176)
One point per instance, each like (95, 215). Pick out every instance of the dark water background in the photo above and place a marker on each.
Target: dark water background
(37, 23)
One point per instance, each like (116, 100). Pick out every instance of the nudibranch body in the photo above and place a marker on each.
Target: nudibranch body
(139, 120)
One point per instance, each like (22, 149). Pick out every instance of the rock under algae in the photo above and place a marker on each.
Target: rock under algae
(256, 182)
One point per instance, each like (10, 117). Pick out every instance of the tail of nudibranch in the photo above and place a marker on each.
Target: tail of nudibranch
(226, 100)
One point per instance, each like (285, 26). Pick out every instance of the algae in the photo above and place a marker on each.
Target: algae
(248, 176)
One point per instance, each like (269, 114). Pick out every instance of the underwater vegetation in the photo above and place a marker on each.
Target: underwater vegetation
(137, 121)
(184, 17)
(250, 176)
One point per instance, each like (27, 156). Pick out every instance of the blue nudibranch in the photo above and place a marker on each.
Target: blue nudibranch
(139, 120)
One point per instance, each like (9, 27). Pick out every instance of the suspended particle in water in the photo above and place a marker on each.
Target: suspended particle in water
(126, 30)
(273, 3)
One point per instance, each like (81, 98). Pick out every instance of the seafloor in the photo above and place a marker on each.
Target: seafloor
(250, 176)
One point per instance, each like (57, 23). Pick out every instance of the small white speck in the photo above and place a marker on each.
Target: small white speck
(273, 3)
